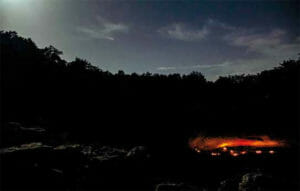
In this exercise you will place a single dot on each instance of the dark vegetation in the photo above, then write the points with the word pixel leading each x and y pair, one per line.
pixel 78 102
pixel 40 88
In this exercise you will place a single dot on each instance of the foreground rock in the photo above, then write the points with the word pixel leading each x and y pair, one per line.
pixel 255 182
pixel 70 166
pixel 24 147
pixel 252 181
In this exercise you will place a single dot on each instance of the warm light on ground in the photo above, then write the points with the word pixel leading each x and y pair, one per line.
pixel 222 145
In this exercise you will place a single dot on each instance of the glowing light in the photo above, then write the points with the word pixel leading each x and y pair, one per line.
pixel 243 152
pixel 215 154
pixel 258 152
pixel 197 150
pixel 235 154
pixel 237 142
pixel 271 152
pixel 211 143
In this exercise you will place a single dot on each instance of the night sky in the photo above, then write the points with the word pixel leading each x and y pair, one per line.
pixel 212 37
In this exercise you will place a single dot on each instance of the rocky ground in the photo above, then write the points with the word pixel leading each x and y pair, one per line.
pixel 46 165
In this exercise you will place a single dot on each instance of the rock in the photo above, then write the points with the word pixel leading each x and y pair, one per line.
pixel 93 152
pixel 106 157
pixel 169 187
pixel 69 165
pixel 138 152
pixel 67 146
pixel 87 150
pixel 228 185
pixel 251 181
pixel 99 150
pixel 16 127
pixel 16 134
pixel 175 187
pixel 24 147
pixel 255 181
pixel 104 153
pixel 34 129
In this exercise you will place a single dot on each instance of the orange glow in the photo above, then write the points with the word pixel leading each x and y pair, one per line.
pixel 243 152
pixel 235 154
pixel 258 152
pixel 211 143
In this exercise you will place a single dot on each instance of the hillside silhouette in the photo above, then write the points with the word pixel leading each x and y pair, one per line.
pixel 40 88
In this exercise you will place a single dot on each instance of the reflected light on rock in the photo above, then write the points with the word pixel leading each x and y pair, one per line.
pixel 235 154
pixel 215 154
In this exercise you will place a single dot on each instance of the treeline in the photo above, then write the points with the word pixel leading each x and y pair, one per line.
pixel 38 87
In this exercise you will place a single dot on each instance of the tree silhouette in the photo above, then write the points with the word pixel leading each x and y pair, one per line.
pixel 94 104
